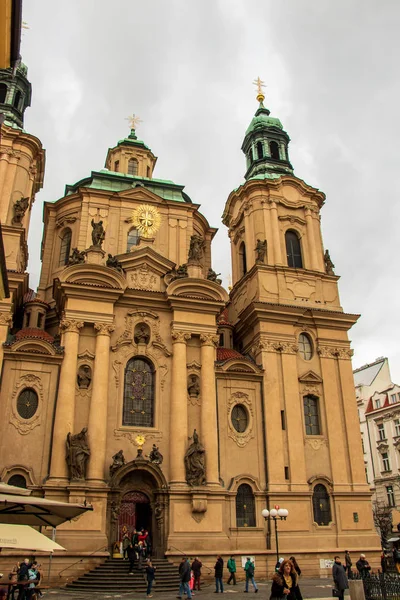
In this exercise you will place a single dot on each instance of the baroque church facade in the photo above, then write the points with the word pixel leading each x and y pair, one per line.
pixel 133 381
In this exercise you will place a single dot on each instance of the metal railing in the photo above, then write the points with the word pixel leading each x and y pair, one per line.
pixel 103 548
pixel 381 586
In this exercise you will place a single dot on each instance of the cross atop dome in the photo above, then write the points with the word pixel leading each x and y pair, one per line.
pixel 260 85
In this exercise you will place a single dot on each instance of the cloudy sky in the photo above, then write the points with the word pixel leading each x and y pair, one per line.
pixel 186 68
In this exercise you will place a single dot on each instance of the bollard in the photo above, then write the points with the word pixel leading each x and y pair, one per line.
pixel 356 588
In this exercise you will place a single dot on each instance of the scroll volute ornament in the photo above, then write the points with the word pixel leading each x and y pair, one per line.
pixel 71 325
pixel 180 337
pixel 104 328
pixel 209 339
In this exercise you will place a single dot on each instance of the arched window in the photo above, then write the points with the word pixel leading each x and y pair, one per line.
pixel 18 481
pixel 65 248
pixel 260 150
pixel 17 99
pixel 311 415
pixel 245 507
pixel 293 250
pixel 116 166
pixel 321 505
pixel 274 150
pixel 242 260
pixel 138 407
pixel 133 166
pixel 305 346
pixel 3 93
pixel 133 239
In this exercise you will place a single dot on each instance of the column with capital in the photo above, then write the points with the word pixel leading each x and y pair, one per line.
pixel 311 240
pixel 178 432
pixel 209 436
pixel 97 425
pixel 65 408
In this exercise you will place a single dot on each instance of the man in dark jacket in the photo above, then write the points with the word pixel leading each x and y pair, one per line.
pixel 218 571
pixel 184 577
pixel 339 577
pixel 131 557
pixel 196 568
pixel 363 567
pixel 23 575
pixel 349 563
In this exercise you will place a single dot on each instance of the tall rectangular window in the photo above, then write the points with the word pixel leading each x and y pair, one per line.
pixel 311 415
pixel 396 427
pixel 283 423
pixel 385 461
pixel 393 398
pixel 390 495
pixel 377 403
pixel 381 431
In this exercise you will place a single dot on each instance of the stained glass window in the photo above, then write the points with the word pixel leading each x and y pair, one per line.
pixel 293 250
pixel 305 346
pixel 321 505
pixel 133 167
pixel 239 418
pixel 27 403
pixel 311 415
pixel 139 393
pixel 245 507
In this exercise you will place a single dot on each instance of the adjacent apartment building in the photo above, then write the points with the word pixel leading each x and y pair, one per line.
pixel 378 401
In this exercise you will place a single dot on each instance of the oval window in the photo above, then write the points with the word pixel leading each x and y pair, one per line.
pixel 305 346
pixel 239 418
pixel 27 403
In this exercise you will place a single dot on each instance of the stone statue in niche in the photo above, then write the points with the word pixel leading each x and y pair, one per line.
pixel 78 453
pixel 84 377
pixel 155 455
pixel 261 250
pixel 195 462
pixel 20 208
pixel 142 334
pixel 329 266
pixel 193 386
pixel 196 249
pixel 113 263
pixel 98 233
pixel 213 276
pixel 114 511
pixel 118 461
pixel 77 257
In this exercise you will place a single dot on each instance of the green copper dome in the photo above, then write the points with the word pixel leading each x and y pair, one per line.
pixel 262 119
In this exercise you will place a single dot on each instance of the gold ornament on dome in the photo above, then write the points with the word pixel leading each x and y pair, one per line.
pixel 140 440
pixel 146 219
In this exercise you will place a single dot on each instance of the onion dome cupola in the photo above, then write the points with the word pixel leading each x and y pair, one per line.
pixel 15 94
pixel 266 144
pixel 131 156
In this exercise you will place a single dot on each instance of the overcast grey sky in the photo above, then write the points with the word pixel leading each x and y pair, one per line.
pixel 186 68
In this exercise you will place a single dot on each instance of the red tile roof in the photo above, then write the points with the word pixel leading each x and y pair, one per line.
pixel 223 318
pixel 227 353
pixel 34 333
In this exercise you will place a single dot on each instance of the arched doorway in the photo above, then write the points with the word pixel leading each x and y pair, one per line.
pixel 135 513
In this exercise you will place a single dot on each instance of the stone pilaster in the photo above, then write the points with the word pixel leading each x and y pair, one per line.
pixel 209 436
pixel 275 234
pixel 178 434
pixel 65 408
pixel 97 426
pixel 5 323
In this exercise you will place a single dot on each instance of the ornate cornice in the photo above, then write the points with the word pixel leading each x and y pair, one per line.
pixel 180 337
pixel 209 339
pixel 275 346
pixel 335 352
pixel 71 325
pixel 104 328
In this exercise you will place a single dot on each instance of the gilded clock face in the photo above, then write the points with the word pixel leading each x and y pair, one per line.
pixel 146 219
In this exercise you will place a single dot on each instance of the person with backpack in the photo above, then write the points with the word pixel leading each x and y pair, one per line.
pixel 249 569
pixel 231 564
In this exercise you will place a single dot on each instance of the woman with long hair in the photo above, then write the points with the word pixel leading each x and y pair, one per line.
pixel 285 583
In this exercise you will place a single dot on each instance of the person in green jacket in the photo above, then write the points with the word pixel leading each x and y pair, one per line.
pixel 249 569
pixel 232 570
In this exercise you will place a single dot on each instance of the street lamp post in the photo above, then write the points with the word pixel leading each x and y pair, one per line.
pixel 275 514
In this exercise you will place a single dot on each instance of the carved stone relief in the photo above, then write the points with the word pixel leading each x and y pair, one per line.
pixel 148 318
pixel 132 435
pixel 144 278
pixel 24 426
pixel 193 388
pixel 343 353
pixel 316 443
pixel 241 439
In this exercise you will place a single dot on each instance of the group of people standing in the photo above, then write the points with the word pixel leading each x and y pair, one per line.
pixel 21 574
pixel 136 548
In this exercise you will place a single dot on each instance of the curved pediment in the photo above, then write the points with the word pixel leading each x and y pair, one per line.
pixel 198 289
pixel 94 275
pixel 35 346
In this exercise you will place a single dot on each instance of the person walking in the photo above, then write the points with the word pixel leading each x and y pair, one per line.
pixel 285 583
pixel 348 564
pixel 249 571
pixel 363 567
pixel 184 578
pixel 196 568
pixel 296 566
pixel 339 577
pixel 231 564
pixel 218 572
pixel 150 576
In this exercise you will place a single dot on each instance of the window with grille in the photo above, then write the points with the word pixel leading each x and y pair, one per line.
pixel 65 248
pixel 321 505
pixel 305 346
pixel 240 418
pixel 293 250
pixel 27 403
pixel 17 480
pixel 138 407
pixel 133 239
pixel 390 495
pixel 311 415
pixel 385 461
pixel 133 166
pixel 245 507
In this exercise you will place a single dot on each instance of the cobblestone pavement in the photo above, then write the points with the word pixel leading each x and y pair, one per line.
pixel 317 589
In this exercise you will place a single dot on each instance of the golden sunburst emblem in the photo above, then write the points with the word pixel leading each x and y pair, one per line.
pixel 146 219
pixel 140 440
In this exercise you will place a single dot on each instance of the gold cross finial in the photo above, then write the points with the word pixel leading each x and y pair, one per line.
pixel 260 84
pixel 133 121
